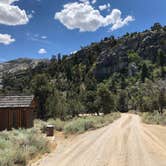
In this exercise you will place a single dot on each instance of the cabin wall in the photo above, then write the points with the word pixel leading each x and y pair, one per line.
pixel 30 118
pixel 16 118
pixel 3 119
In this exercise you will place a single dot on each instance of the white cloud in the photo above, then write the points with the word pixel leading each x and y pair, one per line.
pixel 82 16
pixel 103 7
pixel 120 23
pixel 8 1
pixel 11 14
pixel 108 5
pixel 43 37
pixel 42 51
pixel 115 19
pixel 88 1
pixel 6 39
pixel 94 1
pixel 30 15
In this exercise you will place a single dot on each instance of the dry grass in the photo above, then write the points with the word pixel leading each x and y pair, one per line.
pixel 19 146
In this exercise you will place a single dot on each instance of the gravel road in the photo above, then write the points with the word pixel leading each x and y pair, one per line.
pixel 126 142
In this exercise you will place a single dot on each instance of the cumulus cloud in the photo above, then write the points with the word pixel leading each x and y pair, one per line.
pixel 42 51
pixel 6 39
pixel 120 23
pixel 11 14
pixel 82 16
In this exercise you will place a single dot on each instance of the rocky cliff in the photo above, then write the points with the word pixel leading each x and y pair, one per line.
pixel 18 65
pixel 146 44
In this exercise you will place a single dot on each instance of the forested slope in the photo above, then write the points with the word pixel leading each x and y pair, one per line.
pixel 115 74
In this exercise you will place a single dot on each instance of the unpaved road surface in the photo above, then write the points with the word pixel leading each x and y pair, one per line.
pixel 126 142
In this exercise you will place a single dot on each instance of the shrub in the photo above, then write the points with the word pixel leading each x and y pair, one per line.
pixel 154 118
pixel 40 125
pixel 77 126
pixel 18 146
pixel 81 125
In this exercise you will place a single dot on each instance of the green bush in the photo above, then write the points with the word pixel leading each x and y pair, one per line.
pixel 154 118
pixel 78 126
pixel 81 125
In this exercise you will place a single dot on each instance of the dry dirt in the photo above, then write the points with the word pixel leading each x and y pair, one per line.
pixel 126 142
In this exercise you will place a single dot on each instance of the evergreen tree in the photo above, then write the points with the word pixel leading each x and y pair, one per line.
pixel 144 72
pixel 156 27
pixel 90 102
pixel 41 88
pixel 56 105
pixel 122 102
pixel 161 62
pixel 161 100
pixel 105 99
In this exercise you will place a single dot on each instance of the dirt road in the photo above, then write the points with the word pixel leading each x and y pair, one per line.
pixel 126 142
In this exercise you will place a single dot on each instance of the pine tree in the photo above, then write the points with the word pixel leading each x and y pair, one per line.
pixel 161 62
pixel 105 99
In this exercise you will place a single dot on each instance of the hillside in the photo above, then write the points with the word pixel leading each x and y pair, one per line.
pixel 112 55
pixel 17 65
pixel 124 73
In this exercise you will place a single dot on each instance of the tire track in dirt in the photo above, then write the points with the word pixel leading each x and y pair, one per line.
pixel 126 142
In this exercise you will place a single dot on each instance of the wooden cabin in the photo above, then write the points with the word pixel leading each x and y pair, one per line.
pixel 16 112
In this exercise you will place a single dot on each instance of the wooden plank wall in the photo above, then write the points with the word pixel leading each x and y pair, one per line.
pixel 6 119
pixel 16 118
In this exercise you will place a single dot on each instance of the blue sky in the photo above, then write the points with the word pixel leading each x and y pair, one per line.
pixel 41 28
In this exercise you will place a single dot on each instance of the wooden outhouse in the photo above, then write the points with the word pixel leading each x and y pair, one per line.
pixel 16 112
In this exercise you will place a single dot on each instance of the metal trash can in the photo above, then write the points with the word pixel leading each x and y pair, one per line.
pixel 50 130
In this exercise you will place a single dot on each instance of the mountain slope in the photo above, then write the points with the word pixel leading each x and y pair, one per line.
pixel 17 65
pixel 126 72
pixel 146 44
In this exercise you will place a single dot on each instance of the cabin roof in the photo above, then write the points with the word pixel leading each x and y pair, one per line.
pixel 16 101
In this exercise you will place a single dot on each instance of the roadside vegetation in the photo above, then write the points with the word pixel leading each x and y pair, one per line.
pixel 17 147
pixel 79 124
pixel 154 118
